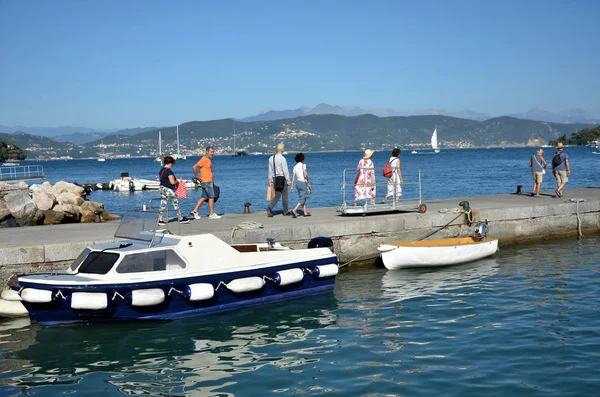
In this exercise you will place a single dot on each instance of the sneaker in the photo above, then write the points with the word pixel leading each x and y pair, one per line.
pixel 196 216
pixel 184 220
pixel 269 212
pixel 161 223
pixel 214 216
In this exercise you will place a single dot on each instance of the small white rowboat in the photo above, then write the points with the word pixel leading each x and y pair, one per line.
pixel 441 252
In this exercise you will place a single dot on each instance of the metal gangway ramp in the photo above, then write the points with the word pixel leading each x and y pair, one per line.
pixel 410 198
pixel 15 173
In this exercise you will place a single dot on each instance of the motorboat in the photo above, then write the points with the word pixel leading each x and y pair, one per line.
pixel 150 274
pixel 413 152
pixel 439 252
pixel 10 164
pixel 127 184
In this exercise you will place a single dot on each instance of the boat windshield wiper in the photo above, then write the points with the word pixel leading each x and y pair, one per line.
pixel 119 247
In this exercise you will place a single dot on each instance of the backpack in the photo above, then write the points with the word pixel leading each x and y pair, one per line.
pixel 556 160
pixel 387 170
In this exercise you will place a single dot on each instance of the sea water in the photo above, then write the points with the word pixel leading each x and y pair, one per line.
pixel 450 173
pixel 525 322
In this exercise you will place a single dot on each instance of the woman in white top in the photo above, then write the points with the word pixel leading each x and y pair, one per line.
pixel 395 182
pixel 299 175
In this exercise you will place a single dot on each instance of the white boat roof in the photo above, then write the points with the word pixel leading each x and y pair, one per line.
pixel 203 254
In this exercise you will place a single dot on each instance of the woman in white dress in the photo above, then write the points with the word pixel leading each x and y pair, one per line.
pixel 301 178
pixel 394 185
pixel 364 185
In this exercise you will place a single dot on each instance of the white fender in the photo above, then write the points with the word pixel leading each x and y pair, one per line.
pixel 89 300
pixel 246 284
pixel 34 295
pixel 289 276
pixel 147 297
pixel 11 295
pixel 12 309
pixel 199 292
pixel 326 270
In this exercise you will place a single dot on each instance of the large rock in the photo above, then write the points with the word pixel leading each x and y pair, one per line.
pixel 21 206
pixel 4 211
pixel 92 205
pixel 43 199
pixel 61 187
pixel 69 198
pixel 53 217
pixel 87 215
pixel 6 188
pixel 72 212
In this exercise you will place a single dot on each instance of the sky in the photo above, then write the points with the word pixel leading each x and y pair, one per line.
pixel 122 64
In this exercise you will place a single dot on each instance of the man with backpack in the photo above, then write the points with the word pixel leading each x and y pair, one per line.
pixel 560 168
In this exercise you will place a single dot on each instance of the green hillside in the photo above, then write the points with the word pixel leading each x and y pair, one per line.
pixel 10 151
pixel 310 133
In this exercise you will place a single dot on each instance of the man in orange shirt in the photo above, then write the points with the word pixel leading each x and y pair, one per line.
pixel 207 182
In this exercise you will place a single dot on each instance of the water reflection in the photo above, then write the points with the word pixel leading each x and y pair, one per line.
pixel 399 285
pixel 202 354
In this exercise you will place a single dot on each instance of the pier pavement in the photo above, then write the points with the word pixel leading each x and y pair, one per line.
pixel 512 218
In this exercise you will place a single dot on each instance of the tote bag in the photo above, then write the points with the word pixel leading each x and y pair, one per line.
pixel 181 191
pixel 270 193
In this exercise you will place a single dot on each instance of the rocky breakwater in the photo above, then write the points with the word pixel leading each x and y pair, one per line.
pixel 24 205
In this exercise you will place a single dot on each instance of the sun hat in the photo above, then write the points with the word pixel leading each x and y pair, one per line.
pixel 280 147
pixel 559 145
pixel 368 154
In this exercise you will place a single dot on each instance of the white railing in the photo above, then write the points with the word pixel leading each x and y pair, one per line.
pixel 21 172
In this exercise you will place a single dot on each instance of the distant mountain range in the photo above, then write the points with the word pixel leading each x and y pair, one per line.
pixel 567 116
pixel 76 135
pixel 83 135
pixel 321 132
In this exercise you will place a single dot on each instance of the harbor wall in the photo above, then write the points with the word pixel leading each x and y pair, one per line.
pixel 511 219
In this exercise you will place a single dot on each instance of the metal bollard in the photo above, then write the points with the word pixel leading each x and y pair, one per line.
pixel 247 207
pixel 98 218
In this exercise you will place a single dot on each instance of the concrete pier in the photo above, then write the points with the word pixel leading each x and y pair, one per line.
pixel 512 219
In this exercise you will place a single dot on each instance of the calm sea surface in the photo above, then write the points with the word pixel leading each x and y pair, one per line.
pixel 523 323
pixel 451 173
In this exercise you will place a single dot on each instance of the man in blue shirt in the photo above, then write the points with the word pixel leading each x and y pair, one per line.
pixel 561 168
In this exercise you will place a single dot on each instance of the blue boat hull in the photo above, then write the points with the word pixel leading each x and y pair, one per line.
pixel 58 311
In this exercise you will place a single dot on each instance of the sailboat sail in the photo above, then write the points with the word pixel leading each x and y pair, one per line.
pixel 159 155
pixel 178 155
pixel 434 141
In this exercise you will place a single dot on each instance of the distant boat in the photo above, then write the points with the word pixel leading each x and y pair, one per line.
pixel 103 155
pixel 159 155
pixel 10 164
pixel 240 153
pixel 413 152
pixel 178 155
pixel 434 141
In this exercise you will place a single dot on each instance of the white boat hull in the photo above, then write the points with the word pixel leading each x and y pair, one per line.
pixel 434 253
pixel 127 185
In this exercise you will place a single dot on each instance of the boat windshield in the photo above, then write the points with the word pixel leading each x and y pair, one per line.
pixel 98 262
pixel 79 259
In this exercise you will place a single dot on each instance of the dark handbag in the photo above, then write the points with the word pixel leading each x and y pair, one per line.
pixel 279 183
pixel 279 180
pixel 217 190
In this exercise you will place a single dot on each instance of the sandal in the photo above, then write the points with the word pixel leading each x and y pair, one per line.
pixel 306 214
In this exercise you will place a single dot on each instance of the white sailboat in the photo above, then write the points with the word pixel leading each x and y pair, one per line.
pixel 159 155
pixel 434 141
pixel 102 156
pixel 178 155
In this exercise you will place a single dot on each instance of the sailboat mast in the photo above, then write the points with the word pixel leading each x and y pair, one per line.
pixel 177 141
pixel 234 137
